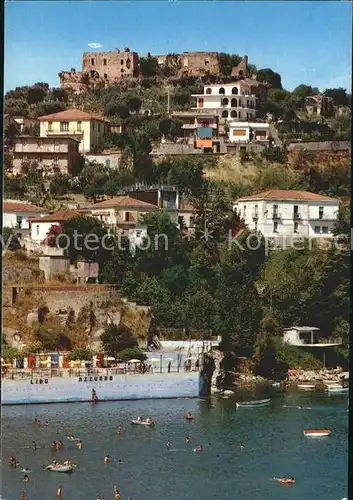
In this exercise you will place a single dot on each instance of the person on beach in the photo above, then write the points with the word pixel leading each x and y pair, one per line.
pixel 79 444
pixel 59 493
pixel 106 458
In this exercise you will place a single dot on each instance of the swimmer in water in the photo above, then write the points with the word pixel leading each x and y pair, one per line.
pixel 120 430
pixel 120 461
pixel 187 439
pixel 23 496
pixel 241 446
pixel 116 493
pixel 25 479
pixel 79 444
pixel 198 448
pixel 107 458
pixel 169 445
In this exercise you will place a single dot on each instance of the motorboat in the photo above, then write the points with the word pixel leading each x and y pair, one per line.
pixel 336 389
pixel 254 404
pixel 306 387
pixel 142 422
pixel 60 468
pixel 317 433
pixel 285 480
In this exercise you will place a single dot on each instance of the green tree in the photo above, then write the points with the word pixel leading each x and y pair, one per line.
pixel 80 354
pixel 227 62
pixel 117 338
pixel 269 76
pixel 339 96
pixel 172 65
pixel 149 66
pixel 10 240
pixel 60 185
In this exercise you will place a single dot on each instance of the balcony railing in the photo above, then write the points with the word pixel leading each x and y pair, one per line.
pixel 64 132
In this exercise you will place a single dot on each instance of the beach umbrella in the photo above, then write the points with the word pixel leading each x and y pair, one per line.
pixel 134 361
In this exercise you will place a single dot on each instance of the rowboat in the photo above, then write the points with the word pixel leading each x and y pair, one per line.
pixel 254 404
pixel 306 387
pixel 60 468
pixel 142 422
pixel 317 433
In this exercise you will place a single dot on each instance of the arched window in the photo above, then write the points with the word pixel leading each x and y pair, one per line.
pixel 235 90
pixel 221 91
pixel 225 102
pixel 225 114
pixel 128 64
pixel 234 103
pixel 233 114
pixel 208 91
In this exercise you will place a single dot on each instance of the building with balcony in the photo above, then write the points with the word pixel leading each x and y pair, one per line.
pixel 308 336
pixel 17 215
pixel 84 127
pixel 281 215
pixel 39 226
pixel 55 153
pixel 235 100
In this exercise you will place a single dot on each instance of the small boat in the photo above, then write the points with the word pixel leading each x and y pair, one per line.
pixel 60 468
pixel 317 433
pixel 254 404
pixel 142 422
pixel 285 480
pixel 337 389
pixel 306 387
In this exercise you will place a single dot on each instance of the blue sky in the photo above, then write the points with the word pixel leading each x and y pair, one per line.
pixel 306 42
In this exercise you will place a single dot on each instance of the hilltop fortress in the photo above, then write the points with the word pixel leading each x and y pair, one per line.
pixel 101 69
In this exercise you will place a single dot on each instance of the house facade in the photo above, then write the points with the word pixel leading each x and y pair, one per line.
pixel 25 124
pixel 17 215
pixel 229 100
pixel 240 131
pixel 54 152
pixel 84 127
pixel 39 226
pixel 308 336
pixel 280 214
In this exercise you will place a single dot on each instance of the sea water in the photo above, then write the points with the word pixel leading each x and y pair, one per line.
pixel 273 440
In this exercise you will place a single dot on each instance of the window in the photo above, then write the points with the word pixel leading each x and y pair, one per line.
pixel 256 211
pixel 244 211
pixel 105 75
pixel 208 91
pixel 233 114
pixel 181 220
pixel 255 225
pixel 296 227
pixel 192 221
pixel 317 229
pixel 296 212
pixel 275 210
pixel 221 91
pixel 128 64
pixel 207 62
pixel 127 217
pixel 324 230
pixel 19 219
pixel 275 227
pixel 37 230
pixel 93 125
pixel 321 212
pixel 235 90
pixel 234 103
pixel 225 114
pixel 225 101
pixel 79 126
pixel 200 102
pixel 104 62
pixel 64 126
pixel 50 126
pixel 122 61
pixel 92 61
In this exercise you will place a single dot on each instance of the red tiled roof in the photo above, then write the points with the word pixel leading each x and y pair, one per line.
pixel 278 194
pixel 70 114
pixel 60 216
pixel 123 201
pixel 13 206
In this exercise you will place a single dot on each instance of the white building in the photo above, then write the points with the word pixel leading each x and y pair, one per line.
pixel 16 215
pixel 281 214
pixel 228 100
pixel 39 227
pixel 246 132
pixel 307 336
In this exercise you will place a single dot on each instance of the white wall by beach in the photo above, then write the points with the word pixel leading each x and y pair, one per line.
pixel 122 387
